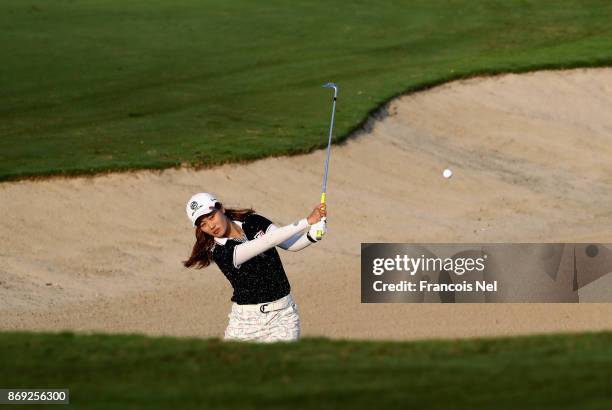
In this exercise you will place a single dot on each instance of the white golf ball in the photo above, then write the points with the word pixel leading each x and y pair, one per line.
pixel 447 173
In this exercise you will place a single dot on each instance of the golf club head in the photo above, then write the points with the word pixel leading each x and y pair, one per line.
pixel 332 85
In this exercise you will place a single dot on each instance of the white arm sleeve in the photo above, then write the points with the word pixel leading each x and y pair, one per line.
pixel 247 250
pixel 296 243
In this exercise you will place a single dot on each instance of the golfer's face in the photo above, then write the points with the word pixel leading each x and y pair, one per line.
pixel 214 224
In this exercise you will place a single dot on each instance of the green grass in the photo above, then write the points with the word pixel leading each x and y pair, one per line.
pixel 89 86
pixel 133 372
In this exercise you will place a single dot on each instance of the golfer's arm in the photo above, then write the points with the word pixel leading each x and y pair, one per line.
pixel 296 243
pixel 247 250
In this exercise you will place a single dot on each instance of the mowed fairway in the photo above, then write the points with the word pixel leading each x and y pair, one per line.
pixel 130 372
pixel 87 86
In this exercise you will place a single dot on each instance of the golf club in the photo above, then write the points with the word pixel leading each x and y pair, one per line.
pixel 319 234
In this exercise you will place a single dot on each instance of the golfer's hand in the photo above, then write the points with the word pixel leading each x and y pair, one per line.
pixel 318 230
pixel 317 213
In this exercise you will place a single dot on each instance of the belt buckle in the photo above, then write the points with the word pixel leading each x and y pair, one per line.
pixel 262 308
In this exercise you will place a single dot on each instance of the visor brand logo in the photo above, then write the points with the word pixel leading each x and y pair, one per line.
pixel 195 206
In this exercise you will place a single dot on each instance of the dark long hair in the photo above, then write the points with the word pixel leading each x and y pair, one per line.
pixel 201 254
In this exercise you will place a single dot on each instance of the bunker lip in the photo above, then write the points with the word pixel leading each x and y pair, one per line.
pixel 530 155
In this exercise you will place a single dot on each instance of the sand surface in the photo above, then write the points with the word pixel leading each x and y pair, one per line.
pixel 532 162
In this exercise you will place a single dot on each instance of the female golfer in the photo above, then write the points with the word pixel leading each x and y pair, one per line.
pixel 242 244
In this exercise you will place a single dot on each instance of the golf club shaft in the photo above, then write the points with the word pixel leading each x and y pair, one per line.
pixel 319 234
pixel 329 141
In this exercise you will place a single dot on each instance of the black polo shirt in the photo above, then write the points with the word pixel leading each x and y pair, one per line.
pixel 262 278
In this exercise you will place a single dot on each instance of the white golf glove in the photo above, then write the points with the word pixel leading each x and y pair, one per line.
pixel 319 226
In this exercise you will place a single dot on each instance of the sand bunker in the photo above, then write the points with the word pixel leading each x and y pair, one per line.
pixel 532 162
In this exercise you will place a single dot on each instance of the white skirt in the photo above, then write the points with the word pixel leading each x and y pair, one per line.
pixel 256 323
